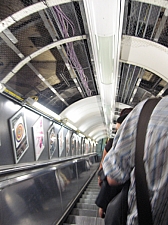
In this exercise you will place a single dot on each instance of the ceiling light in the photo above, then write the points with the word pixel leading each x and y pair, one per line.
pixel 105 29
pixel 42 108
pixel 81 135
pixel 70 125
pixel 46 110
pixel 2 87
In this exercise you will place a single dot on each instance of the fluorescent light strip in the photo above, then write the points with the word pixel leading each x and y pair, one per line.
pixel 71 126
pixel 46 110
pixel 2 88
pixel 81 135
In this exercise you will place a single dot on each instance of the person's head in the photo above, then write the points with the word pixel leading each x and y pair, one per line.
pixel 125 111
pixel 120 120
pixel 122 116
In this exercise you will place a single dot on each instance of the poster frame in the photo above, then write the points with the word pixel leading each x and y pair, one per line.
pixel 52 149
pixel 61 141
pixel 36 126
pixel 19 120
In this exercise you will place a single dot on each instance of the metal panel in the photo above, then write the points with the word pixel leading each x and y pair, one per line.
pixel 68 184
pixel 34 201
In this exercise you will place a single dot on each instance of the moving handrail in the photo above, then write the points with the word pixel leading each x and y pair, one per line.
pixel 6 169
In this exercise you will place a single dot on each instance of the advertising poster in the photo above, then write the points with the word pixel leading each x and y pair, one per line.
pixel 68 143
pixel 83 146
pixel 52 140
pixel 19 134
pixel 38 133
pixel 79 145
pixel 61 141
pixel 86 146
pixel 73 144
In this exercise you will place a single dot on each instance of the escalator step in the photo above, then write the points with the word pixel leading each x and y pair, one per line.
pixel 86 206
pixel 91 196
pixel 88 201
pixel 91 192
pixel 84 212
pixel 92 189
pixel 84 220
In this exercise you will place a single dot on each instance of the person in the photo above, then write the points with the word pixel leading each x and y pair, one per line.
pixel 118 164
pixel 124 112
pixel 106 149
pixel 106 193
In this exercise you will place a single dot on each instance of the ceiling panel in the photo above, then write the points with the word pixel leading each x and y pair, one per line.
pixel 64 78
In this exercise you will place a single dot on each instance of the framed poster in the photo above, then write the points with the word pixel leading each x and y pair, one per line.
pixel 38 133
pixel 68 153
pixel 83 146
pixel 79 144
pixel 52 140
pixel 73 144
pixel 86 146
pixel 19 135
pixel 61 141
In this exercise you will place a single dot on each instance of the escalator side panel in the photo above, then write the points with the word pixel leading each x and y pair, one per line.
pixel 71 178
pixel 42 196
pixel 33 201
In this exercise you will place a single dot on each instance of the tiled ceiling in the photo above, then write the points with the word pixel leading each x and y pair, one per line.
pixel 33 63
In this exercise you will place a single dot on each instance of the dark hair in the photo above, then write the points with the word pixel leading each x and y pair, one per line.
pixel 125 111
pixel 121 118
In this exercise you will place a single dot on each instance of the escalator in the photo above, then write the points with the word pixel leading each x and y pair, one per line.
pixel 45 193
pixel 85 211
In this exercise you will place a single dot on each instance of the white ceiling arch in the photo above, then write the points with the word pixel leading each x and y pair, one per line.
pixel 86 114
pixel 99 136
pixel 96 129
pixel 146 54
pixel 88 126
pixel 10 20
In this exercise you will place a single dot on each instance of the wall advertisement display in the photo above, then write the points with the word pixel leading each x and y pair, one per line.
pixel 86 151
pixel 38 133
pixel 68 135
pixel 78 145
pixel 19 135
pixel 52 141
pixel 61 141
pixel 73 144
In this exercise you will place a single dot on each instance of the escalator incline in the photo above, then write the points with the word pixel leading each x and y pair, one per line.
pixel 85 211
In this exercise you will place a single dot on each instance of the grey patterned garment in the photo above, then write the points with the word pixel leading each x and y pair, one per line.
pixel 119 161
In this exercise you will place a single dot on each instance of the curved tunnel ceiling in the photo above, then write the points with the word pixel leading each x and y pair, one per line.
pixel 41 58
pixel 145 54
